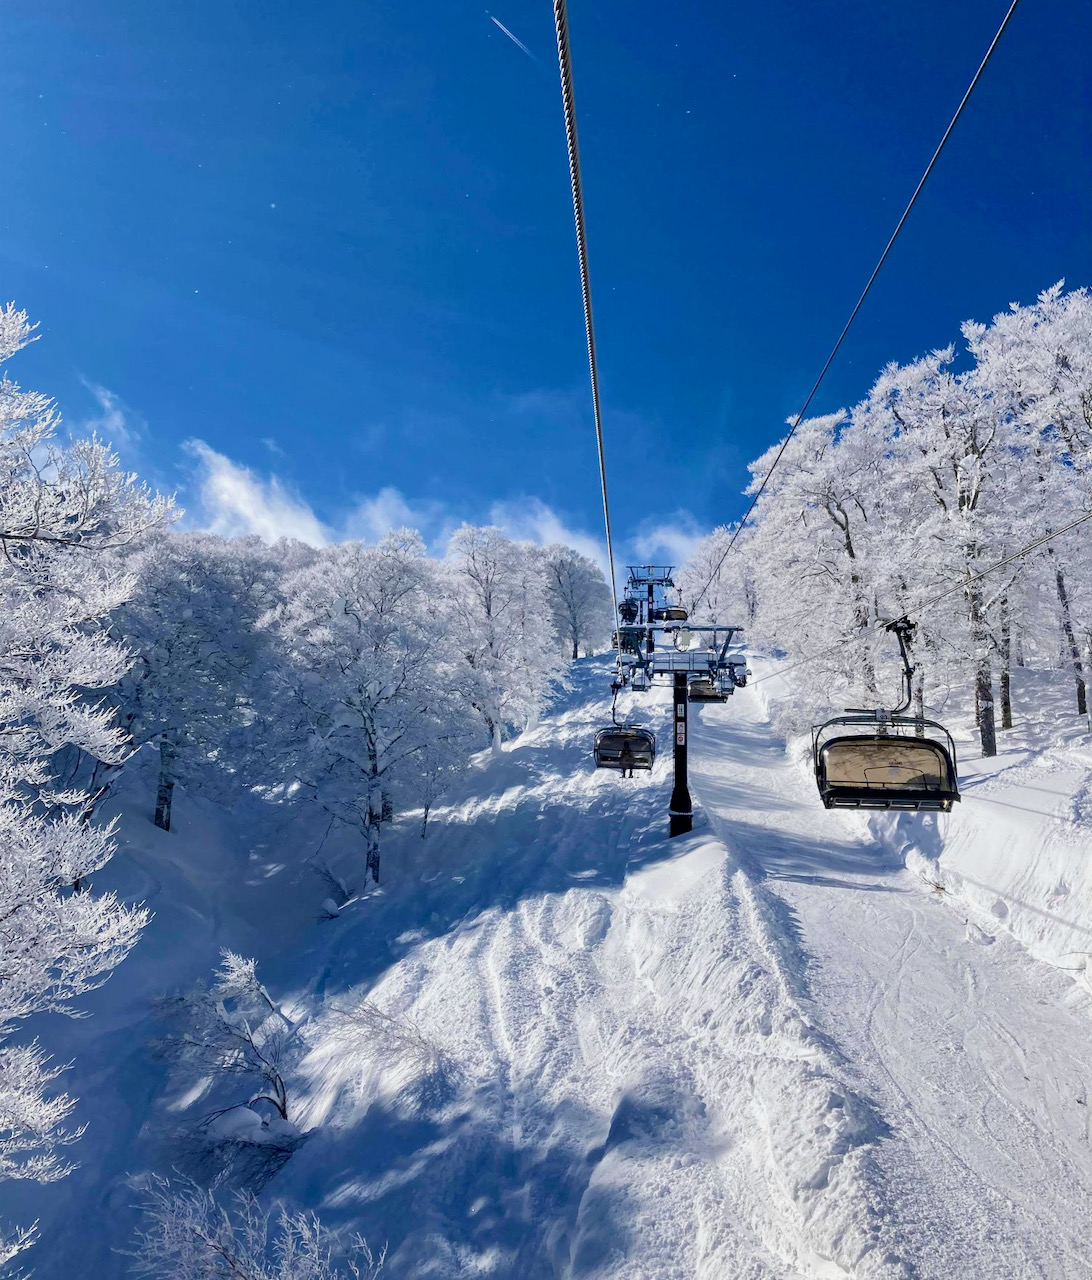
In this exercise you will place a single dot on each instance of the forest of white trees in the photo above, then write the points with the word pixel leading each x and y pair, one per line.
pixel 355 678
pixel 949 465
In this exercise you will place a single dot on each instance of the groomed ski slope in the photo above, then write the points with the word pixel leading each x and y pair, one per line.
pixel 556 1044
pixel 760 1052
pixel 628 1080
pixel 977 1057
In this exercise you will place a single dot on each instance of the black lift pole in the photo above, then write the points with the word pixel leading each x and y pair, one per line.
pixel 680 810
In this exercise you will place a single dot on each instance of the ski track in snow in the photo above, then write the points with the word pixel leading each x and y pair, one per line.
pixel 638 1081
pixel 977 1056
pixel 765 1051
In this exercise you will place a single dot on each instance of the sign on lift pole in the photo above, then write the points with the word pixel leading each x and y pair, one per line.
pixel 651 607
pixel 680 810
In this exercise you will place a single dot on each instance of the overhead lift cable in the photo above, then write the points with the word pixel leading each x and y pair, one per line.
pixel 564 58
pixel 860 301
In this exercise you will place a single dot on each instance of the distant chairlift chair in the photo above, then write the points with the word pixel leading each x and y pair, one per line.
pixel 625 746
pixel 706 691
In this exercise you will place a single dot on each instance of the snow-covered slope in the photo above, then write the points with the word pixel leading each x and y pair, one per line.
pixel 556 1044
pixel 1018 851
pixel 976 1056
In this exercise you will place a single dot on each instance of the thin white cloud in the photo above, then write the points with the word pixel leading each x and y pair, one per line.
pixel 234 502
pixel 273 447
pixel 531 520
pixel 116 423
pixel 672 539
pixel 376 515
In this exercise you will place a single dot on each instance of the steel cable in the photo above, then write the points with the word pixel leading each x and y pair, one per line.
pixel 860 301
pixel 564 58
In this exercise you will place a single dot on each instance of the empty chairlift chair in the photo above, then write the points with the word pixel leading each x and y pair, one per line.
pixel 865 762
pixel 625 747
pixel 706 691
pixel 884 759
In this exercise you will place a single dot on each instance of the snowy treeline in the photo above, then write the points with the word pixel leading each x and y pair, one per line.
pixel 950 464
pixel 64 512
pixel 359 677
pixel 356 678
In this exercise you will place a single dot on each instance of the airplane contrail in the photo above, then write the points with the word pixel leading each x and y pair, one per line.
pixel 514 39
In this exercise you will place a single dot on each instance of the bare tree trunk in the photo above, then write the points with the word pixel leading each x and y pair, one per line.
pixel 373 814
pixel 1071 639
pixel 983 680
pixel 1088 661
pixel 983 699
pixel 165 794
pixel 372 829
pixel 1006 666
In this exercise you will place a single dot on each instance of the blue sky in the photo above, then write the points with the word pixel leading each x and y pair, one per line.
pixel 314 268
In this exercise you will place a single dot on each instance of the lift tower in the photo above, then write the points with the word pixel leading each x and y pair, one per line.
pixel 654 578
pixel 680 812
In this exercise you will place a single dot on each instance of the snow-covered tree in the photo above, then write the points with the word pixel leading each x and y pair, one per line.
pixel 62 508
pixel 809 561
pixel 716 585
pixel 200 679
pixel 945 468
pixel 1036 363
pixel 370 678
pixel 188 1234
pixel 500 619
pixel 234 1036
pixel 578 598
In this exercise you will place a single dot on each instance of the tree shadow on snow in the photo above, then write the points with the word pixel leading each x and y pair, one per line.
pixel 538 819
pixel 452 1190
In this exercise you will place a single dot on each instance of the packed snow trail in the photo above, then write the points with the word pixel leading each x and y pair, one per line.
pixel 556 1045
pixel 978 1057
pixel 617 1075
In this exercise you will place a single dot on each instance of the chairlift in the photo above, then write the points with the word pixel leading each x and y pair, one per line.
pixel 884 759
pixel 628 639
pixel 670 613
pixel 628 609
pixel 707 691
pixel 738 673
pixel 625 747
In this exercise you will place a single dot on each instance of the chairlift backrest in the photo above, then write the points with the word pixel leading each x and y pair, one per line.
pixel 707 691
pixel 625 747
pixel 894 763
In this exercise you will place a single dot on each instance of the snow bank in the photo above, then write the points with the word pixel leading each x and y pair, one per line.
pixel 1016 853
